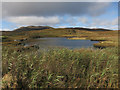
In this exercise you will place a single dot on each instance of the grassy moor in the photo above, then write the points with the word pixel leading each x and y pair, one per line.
pixel 59 67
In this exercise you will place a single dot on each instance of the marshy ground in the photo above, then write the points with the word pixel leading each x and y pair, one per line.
pixel 31 67
pixel 105 38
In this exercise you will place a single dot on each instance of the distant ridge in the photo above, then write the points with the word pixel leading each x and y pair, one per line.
pixel 90 29
pixel 31 28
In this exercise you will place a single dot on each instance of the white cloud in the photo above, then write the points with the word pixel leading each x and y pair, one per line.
pixel 63 26
pixel 74 20
pixel 83 20
pixel 114 27
pixel 114 22
pixel 104 22
pixel 34 20
pixel 62 22
pixel 5 29
pixel 86 22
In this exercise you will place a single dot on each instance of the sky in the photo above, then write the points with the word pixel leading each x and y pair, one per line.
pixel 60 14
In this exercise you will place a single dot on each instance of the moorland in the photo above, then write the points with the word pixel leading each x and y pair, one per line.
pixel 30 67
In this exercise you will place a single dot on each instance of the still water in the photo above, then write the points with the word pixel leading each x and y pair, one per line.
pixel 63 42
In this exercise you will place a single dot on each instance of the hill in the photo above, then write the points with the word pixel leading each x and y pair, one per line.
pixel 88 29
pixel 106 38
pixel 30 28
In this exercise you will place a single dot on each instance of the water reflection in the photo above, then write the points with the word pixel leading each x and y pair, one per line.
pixel 63 42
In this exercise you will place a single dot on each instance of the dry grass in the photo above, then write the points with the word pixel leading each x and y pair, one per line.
pixel 110 36
pixel 60 68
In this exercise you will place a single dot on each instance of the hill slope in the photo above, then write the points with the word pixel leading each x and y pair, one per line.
pixel 30 28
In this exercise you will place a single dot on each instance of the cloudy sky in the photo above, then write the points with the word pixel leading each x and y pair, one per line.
pixel 60 14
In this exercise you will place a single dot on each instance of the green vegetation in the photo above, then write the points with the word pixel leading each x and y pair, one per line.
pixel 33 67
pixel 60 68
pixel 29 34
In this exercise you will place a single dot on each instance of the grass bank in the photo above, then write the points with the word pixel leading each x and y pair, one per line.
pixel 105 38
pixel 60 68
